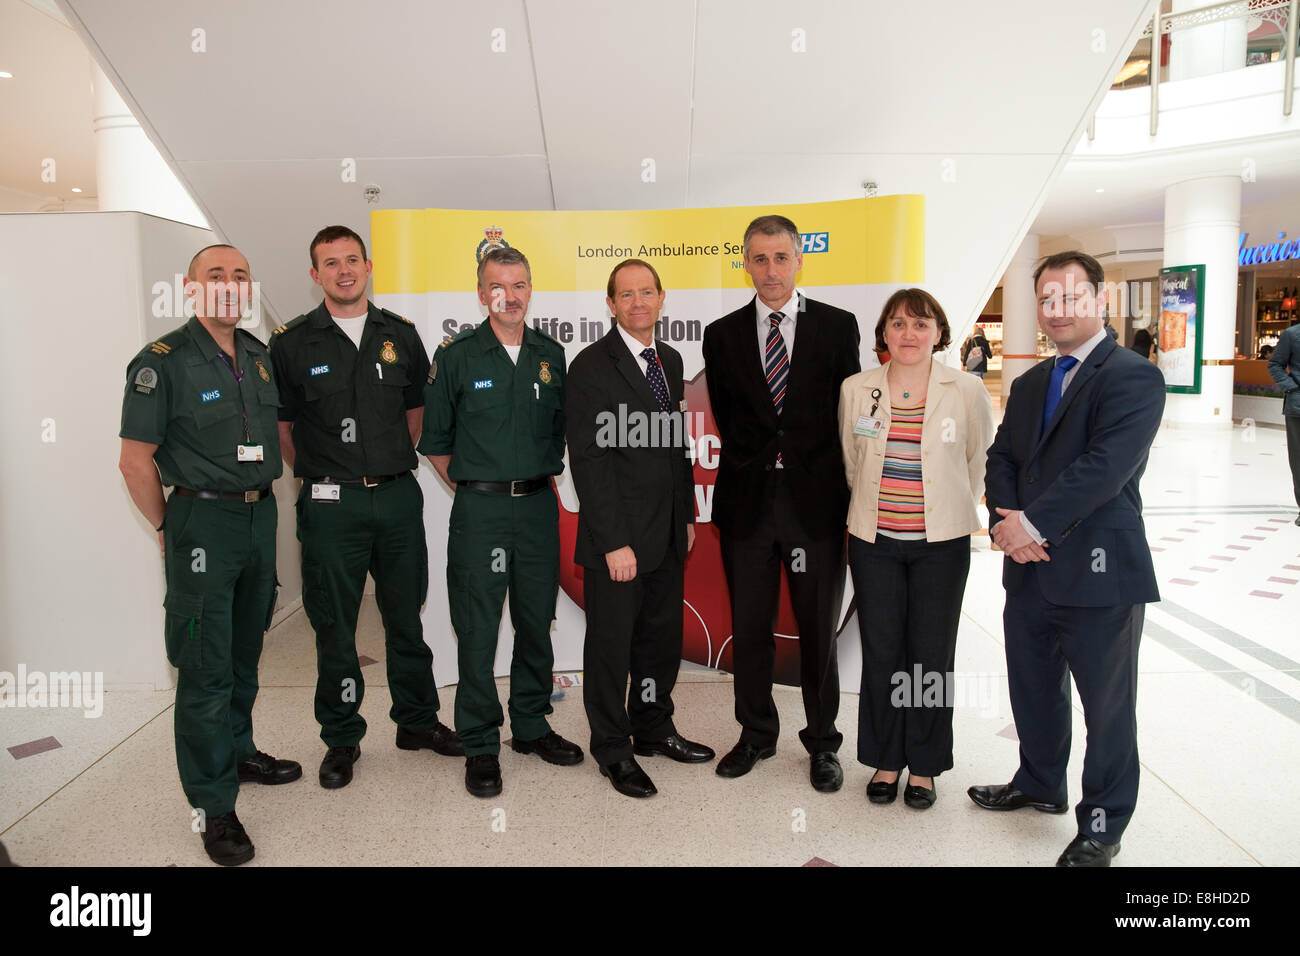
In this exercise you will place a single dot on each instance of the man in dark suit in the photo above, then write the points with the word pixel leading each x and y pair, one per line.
pixel 774 369
pixel 1062 489
pixel 628 454
pixel 1284 367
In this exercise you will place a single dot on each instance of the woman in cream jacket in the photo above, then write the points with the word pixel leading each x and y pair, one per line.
pixel 915 434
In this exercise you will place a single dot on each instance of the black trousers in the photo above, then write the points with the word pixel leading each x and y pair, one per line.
pixel 1293 452
pixel 909 606
pixel 633 628
pixel 1046 643
pixel 815 571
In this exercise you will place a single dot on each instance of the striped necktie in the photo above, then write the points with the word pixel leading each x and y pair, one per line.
pixel 776 362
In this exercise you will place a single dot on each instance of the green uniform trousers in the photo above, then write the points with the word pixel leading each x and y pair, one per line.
pixel 497 542
pixel 220 566
pixel 380 530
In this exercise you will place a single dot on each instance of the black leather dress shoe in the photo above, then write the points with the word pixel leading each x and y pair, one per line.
pixel 825 773
pixel 677 747
pixel 628 778
pixel 919 798
pixel 263 768
pixel 1003 796
pixel 1085 851
pixel 552 748
pixel 441 739
pixel 740 759
pixel 225 841
pixel 336 768
pixel 483 775
pixel 878 791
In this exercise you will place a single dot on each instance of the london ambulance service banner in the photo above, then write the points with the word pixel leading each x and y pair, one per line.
pixel 856 253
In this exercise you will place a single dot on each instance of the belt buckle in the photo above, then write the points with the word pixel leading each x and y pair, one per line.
pixel 252 497
pixel 366 483
pixel 513 492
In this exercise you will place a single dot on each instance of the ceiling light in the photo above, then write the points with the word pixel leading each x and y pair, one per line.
pixel 76 189
pixel 6 76
pixel 1101 190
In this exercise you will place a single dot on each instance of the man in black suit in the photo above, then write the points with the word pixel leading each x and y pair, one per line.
pixel 628 454
pixel 1062 489
pixel 774 369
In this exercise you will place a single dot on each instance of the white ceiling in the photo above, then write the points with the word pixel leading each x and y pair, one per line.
pixel 713 91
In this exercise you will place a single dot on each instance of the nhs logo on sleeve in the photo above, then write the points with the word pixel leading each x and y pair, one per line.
pixel 482 383
pixel 815 242
pixel 318 370
pixel 211 396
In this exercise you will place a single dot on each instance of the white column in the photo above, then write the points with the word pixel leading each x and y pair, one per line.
pixel 130 174
pixel 1019 315
pixel 1212 48
pixel 1202 226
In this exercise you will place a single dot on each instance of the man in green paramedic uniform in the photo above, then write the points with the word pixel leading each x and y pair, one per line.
pixel 199 414
pixel 351 380
pixel 494 430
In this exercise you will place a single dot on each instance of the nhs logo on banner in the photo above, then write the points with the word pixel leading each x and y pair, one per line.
pixel 815 242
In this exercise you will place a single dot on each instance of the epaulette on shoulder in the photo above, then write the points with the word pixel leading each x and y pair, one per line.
pixel 251 337
pixel 292 324
pixel 168 343
pixel 394 315
pixel 460 336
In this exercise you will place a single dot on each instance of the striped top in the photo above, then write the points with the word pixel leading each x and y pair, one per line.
pixel 902 501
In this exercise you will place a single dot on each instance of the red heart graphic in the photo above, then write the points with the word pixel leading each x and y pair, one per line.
pixel 706 611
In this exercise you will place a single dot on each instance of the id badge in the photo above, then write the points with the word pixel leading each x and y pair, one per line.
pixel 870 427
pixel 249 452
pixel 324 492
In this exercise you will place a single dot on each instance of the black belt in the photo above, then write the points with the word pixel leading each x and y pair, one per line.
pixel 246 497
pixel 515 489
pixel 367 481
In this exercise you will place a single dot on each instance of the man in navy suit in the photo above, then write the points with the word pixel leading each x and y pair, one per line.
pixel 1062 489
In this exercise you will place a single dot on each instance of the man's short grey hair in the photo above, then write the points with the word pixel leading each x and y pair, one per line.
pixel 504 257
pixel 773 226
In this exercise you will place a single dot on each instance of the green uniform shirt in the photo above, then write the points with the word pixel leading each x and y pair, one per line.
pixel 183 397
pixel 499 421
pixel 348 405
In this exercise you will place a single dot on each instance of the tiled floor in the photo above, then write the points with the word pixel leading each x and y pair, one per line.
pixel 1218 720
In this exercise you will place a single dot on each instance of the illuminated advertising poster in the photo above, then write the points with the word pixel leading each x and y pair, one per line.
pixel 1182 300
pixel 856 253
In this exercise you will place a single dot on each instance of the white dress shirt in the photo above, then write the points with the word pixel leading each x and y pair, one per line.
pixel 1081 353
pixel 636 348
pixel 790 312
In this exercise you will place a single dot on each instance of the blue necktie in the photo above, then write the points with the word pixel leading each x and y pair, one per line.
pixel 655 376
pixel 1056 386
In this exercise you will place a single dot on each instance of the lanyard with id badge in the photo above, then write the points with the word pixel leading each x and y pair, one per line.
pixel 869 425
pixel 245 451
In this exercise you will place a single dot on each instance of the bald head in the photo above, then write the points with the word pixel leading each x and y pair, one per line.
pixel 196 263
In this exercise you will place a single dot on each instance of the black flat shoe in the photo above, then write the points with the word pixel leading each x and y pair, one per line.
pixel 1003 796
pixel 629 779
pixel 676 747
pixel 919 798
pixel 483 775
pixel 552 748
pixel 825 773
pixel 225 841
pixel 741 758
pixel 263 768
pixel 336 768
pixel 1085 851
pixel 440 739
pixel 878 791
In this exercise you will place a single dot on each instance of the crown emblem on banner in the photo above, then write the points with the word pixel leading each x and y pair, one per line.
pixel 493 238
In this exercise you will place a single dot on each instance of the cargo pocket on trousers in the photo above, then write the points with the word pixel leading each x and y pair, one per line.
pixel 315 599
pixel 184 629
